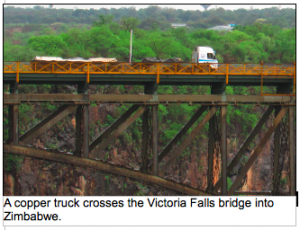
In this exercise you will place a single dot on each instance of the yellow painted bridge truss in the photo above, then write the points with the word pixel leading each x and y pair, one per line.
pixel 263 70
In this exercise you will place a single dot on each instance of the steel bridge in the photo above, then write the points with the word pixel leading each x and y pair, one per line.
pixel 151 75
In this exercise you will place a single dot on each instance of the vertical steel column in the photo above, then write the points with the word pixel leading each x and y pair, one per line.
pixel 78 140
pixel 82 125
pixel 13 118
pixel 223 150
pixel 292 151
pixel 151 88
pixel 85 131
pixel 145 142
pixel 211 146
pixel 155 139
pixel 217 88
pixel 276 176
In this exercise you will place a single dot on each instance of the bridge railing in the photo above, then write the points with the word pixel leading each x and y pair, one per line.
pixel 147 68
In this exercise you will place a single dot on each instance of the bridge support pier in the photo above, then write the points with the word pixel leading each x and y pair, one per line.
pixel 82 132
pixel 277 144
pixel 223 150
pixel 145 146
pixel 213 150
pixel 82 125
pixel 13 118
pixel 151 88
pixel 78 134
pixel 155 139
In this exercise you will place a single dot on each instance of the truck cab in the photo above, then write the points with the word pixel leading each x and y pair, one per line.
pixel 205 54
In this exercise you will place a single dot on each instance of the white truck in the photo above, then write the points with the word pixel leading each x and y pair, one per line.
pixel 205 54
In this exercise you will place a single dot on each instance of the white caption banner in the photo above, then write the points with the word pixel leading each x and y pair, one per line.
pixel 149 211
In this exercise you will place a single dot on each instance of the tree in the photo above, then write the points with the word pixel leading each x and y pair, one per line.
pixel 49 44
pixel 19 53
pixel 285 42
pixel 102 41
pixel 260 21
pixel 129 23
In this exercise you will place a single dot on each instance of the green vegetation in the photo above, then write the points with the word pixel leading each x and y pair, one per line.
pixel 108 38
pixel 12 162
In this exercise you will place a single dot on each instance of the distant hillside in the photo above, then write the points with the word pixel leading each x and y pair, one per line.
pixel 162 17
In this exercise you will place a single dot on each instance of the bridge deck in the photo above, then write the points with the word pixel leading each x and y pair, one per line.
pixel 143 73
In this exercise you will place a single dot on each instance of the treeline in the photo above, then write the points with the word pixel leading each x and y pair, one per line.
pixel 153 16
pixel 107 38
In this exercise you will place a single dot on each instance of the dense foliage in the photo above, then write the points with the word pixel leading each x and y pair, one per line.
pixel 107 38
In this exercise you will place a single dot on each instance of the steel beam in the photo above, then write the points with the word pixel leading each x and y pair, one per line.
pixel 181 133
pixel 188 140
pixel 223 150
pixel 276 176
pixel 211 148
pixel 121 128
pixel 292 151
pixel 85 131
pixel 13 124
pixel 246 144
pixel 145 142
pixel 132 98
pixel 113 127
pixel 13 118
pixel 155 139
pixel 257 150
pixel 47 123
pixel 82 126
pixel 78 134
pixel 84 162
